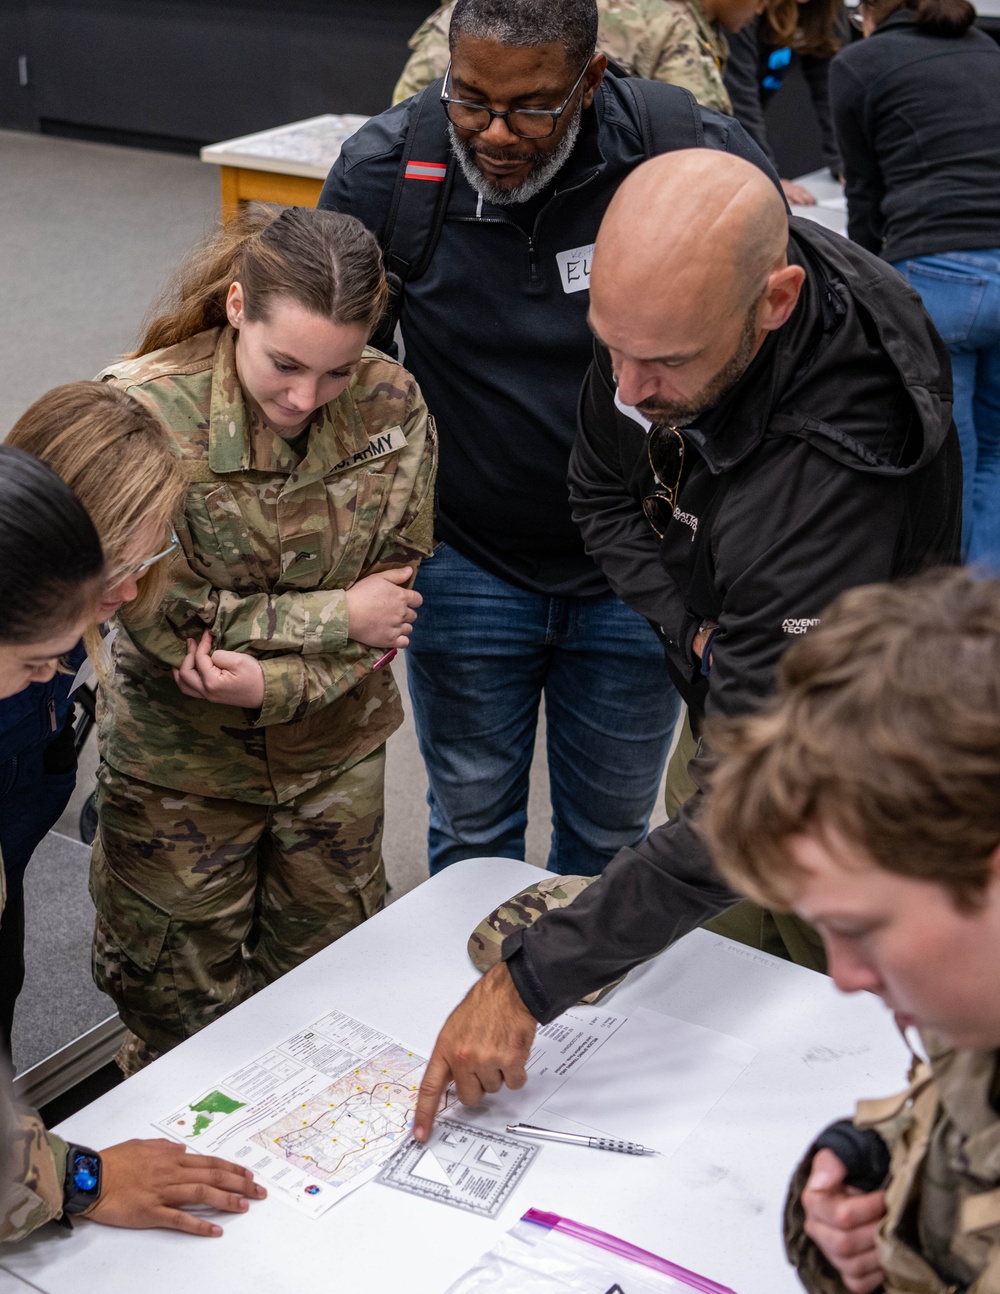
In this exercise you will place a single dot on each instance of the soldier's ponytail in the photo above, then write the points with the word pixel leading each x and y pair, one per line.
pixel 324 261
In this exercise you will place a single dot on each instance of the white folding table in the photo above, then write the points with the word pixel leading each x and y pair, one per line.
pixel 713 1206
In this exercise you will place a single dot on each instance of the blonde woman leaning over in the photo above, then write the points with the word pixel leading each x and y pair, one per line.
pixel 240 795
pixel 117 458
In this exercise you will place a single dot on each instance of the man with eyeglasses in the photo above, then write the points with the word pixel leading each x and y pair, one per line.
pixel 532 143
pixel 766 424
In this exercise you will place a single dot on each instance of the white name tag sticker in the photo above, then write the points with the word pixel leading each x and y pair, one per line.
pixel 574 268
pixel 383 443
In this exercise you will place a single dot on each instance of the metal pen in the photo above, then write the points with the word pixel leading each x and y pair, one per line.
pixel 576 1139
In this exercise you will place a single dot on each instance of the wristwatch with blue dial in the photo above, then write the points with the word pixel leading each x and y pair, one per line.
pixel 82 1186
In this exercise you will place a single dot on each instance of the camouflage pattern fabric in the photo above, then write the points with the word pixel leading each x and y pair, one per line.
pixel 201 902
pixel 660 40
pixel 524 909
pixel 32 1161
pixel 36 1168
pixel 941 1232
pixel 135 1054
pixel 269 544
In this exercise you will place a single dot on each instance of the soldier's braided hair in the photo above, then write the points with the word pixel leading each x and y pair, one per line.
pixel 51 563
pixel 572 23
pixel 324 261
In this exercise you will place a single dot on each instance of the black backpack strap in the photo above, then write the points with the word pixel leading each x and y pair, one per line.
pixel 668 115
pixel 419 202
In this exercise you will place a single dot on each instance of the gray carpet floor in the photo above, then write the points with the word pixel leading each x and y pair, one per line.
pixel 88 235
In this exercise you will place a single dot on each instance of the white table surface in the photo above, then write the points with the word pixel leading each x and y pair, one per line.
pixel 713 1206
pixel 830 209
pixel 307 148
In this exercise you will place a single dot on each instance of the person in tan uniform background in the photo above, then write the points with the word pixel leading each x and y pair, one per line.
pixel 242 734
pixel 866 797
pixel 53 579
pixel 680 41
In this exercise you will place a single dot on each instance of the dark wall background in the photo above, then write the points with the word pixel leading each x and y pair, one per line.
pixel 181 73
pixel 191 73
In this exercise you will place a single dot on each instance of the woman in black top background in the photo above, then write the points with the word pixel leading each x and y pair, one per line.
pixel 916 108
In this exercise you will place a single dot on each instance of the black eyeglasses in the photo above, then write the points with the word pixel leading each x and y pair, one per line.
pixel 526 123
pixel 665 449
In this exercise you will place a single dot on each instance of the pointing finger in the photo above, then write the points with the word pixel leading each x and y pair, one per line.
pixel 436 1078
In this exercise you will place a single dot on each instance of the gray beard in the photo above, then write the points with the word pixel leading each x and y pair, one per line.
pixel 540 178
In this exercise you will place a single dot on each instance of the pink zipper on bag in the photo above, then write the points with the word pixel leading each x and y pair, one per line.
pixel 612 1245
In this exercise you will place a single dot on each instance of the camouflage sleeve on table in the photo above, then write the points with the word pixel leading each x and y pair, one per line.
pixel 37 1161
pixel 685 59
pixel 429 59
pixel 295 686
pixel 312 622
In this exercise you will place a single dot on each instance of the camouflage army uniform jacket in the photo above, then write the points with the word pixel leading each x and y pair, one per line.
pixel 659 40
pixel 941 1232
pixel 269 544
pixel 32 1161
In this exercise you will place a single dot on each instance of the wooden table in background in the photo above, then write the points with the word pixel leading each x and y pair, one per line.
pixel 286 165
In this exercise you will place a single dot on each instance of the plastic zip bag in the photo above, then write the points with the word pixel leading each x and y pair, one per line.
pixel 548 1254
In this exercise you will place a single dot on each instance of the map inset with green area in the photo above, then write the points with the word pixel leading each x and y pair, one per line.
pixel 212 1104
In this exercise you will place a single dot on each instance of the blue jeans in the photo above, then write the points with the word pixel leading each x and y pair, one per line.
pixel 961 291
pixel 482 655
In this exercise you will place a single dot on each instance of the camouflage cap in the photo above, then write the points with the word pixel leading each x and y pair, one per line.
pixel 521 911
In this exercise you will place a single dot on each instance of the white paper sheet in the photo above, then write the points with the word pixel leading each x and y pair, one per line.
pixel 560 1049
pixel 647 1077
pixel 653 1082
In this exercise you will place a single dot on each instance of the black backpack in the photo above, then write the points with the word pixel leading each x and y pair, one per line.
pixel 668 117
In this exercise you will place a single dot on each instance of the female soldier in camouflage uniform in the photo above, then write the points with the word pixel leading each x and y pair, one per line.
pixel 240 793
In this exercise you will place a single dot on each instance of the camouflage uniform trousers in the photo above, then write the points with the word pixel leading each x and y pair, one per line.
pixel 203 901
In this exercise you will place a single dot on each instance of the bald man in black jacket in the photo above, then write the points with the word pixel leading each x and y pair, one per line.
pixel 766 424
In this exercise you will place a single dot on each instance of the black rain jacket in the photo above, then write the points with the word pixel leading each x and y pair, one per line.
pixel 834 462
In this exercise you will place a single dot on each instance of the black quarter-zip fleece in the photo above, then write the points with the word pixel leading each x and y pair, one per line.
pixel 499 347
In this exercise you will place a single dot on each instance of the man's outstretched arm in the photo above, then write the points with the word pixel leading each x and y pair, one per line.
pixel 484 1045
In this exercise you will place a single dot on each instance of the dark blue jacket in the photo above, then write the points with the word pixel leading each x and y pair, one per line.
pixel 496 334
pixel 34 717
